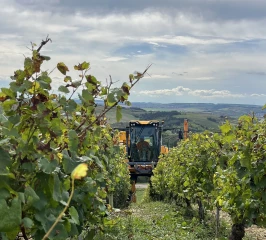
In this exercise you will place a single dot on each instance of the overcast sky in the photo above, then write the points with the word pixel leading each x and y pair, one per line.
pixel 201 50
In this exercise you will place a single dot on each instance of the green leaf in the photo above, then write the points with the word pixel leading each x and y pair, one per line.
pixel 11 133
pixel 13 233
pixel 186 183
pixel 8 104
pixel 91 79
pixel 44 81
pixel 245 162
pixel 62 68
pixel 76 84
pixel 4 160
pixel 225 128
pixel 42 203
pixel 21 196
pixel 127 103
pixel 8 92
pixel 27 222
pixel 63 89
pixel 72 105
pixel 47 166
pixel 118 113
pixel 73 140
pixel 30 196
pixel 85 65
pixel 46 58
pixel 67 79
pixel 87 96
pixel 14 119
pixel 67 225
pixel 10 215
pixel 4 193
pixel 4 184
pixel 3 236
pixel 28 63
pixel 57 195
pixel 97 161
pixel 67 184
pixel 74 215
pixel 103 91
pixel 111 101
pixel 19 76
pixel 20 87
pixel 68 163
pixel 82 66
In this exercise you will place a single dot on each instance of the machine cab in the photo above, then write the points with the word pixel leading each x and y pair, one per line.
pixel 143 141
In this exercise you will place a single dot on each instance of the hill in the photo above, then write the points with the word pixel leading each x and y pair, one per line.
pixel 231 110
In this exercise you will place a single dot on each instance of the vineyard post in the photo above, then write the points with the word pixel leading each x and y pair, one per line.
pixel 111 199
pixel 217 227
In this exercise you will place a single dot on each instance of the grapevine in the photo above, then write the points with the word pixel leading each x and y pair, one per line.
pixel 44 135
pixel 224 170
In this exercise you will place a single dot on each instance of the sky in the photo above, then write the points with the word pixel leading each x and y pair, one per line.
pixel 201 51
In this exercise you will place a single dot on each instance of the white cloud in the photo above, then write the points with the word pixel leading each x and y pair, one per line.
pixel 178 91
pixel 202 93
pixel 256 95
pixel 114 59
pixel 155 76
pixel 215 94
pixel 186 40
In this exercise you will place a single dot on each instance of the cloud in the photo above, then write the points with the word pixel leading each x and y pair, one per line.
pixel 203 78
pixel 178 91
pixel 187 40
pixel 215 94
pixel 257 73
pixel 114 59
pixel 157 44
pixel 155 76
pixel 221 10
pixel 219 44
pixel 202 93
pixel 258 95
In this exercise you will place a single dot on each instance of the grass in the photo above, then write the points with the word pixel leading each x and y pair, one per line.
pixel 149 220
pixel 152 220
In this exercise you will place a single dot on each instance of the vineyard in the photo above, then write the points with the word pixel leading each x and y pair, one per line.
pixel 219 171
pixel 60 160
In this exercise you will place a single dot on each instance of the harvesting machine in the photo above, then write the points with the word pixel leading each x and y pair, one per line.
pixel 143 146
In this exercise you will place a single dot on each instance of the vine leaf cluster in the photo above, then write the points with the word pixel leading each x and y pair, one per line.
pixel 44 135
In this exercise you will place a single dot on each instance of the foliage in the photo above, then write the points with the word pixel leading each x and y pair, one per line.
pixel 119 183
pixel 225 170
pixel 44 136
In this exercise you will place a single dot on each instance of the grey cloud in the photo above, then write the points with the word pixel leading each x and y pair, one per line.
pixel 257 73
pixel 96 30
pixel 209 9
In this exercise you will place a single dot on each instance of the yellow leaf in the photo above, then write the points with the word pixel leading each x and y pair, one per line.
pixel 35 86
pixel 60 156
pixel 80 171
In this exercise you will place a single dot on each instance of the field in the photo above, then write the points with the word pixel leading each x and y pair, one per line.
pixel 198 121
